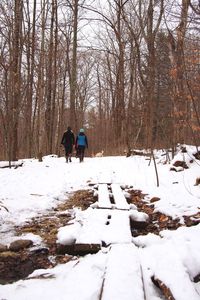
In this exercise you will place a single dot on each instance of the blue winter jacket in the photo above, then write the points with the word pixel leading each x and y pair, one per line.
pixel 81 140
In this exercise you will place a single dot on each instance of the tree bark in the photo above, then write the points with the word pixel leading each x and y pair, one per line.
pixel 16 76
pixel 73 79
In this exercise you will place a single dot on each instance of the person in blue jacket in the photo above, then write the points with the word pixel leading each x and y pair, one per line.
pixel 81 144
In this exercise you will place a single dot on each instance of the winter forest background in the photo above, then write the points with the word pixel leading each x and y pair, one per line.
pixel 128 71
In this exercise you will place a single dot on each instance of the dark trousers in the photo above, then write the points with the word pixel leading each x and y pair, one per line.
pixel 68 152
pixel 80 152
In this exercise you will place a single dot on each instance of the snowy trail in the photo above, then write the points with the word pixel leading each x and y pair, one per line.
pixel 119 272
pixel 122 270
pixel 114 273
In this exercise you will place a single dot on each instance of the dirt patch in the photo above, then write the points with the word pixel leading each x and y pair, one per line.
pixel 18 265
pixel 81 199
pixel 47 226
pixel 14 266
pixel 157 221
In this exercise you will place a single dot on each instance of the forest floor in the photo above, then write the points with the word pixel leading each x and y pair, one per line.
pixel 50 198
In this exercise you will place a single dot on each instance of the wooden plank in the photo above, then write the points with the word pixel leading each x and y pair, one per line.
pixel 119 197
pixel 84 279
pixel 117 230
pixel 123 278
pixel 104 226
pixel 93 223
pixel 103 196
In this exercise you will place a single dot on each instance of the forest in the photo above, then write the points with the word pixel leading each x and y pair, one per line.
pixel 127 71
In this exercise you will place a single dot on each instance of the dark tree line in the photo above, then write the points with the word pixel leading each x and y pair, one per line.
pixel 135 85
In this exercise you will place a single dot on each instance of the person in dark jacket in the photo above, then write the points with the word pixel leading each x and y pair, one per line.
pixel 68 142
pixel 81 144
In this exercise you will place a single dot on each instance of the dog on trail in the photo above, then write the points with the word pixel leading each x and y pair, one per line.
pixel 99 154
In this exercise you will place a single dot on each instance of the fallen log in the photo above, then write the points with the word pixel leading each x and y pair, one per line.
pixel 165 290
pixel 140 153
pixel 78 249
pixel 83 249
pixel 14 164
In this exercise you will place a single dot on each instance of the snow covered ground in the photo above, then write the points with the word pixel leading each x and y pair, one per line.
pixel 173 257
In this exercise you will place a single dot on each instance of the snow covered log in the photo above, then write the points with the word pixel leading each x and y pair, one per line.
pixel 138 220
pixel 165 290
pixel 130 152
pixel 15 164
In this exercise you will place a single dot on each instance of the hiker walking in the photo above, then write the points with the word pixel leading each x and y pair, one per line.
pixel 68 143
pixel 81 143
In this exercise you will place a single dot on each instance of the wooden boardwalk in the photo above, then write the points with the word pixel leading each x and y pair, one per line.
pixel 108 224
pixel 123 260
pixel 118 271
pixel 118 198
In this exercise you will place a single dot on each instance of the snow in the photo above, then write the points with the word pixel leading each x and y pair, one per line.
pixel 67 235
pixel 115 271
pixel 171 258
pixel 139 216
pixel 119 197
pixel 103 196
pixel 68 281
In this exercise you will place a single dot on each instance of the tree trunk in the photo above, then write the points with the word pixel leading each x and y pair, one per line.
pixel 49 85
pixel 30 79
pixel 38 118
pixel 54 83
pixel 16 76
pixel 73 80
pixel 177 60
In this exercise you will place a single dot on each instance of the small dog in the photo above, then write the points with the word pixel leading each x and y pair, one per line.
pixel 99 154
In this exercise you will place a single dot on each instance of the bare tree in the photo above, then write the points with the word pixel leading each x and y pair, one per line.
pixel 16 77
pixel 177 55
pixel 51 79
pixel 74 5
pixel 129 89
pixel 30 53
